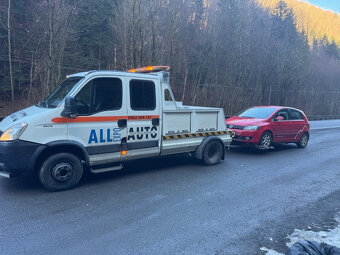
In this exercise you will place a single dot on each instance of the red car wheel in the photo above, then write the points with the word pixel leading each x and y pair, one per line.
pixel 266 140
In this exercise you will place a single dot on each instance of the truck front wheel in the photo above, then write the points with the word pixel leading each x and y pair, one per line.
pixel 212 153
pixel 60 172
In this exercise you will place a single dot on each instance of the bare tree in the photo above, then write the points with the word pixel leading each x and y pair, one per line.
pixel 10 52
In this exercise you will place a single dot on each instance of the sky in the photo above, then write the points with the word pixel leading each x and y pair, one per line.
pixel 333 5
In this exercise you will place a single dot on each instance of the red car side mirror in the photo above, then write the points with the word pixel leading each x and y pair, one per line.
pixel 279 118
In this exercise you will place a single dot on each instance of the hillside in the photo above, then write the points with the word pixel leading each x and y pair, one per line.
pixel 231 54
pixel 313 21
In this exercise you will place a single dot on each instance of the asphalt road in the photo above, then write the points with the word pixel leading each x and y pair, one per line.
pixel 175 205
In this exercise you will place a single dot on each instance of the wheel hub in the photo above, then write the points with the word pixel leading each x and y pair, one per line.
pixel 266 141
pixel 212 152
pixel 62 172
pixel 304 140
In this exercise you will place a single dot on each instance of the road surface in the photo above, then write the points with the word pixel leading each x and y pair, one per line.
pixel 175 205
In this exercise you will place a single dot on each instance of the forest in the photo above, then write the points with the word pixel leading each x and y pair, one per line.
pixel 224 53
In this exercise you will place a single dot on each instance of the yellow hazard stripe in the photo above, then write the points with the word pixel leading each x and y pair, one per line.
pixel 203 134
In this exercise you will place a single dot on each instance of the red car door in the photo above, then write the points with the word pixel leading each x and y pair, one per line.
pixel 298 124
pixel 282 128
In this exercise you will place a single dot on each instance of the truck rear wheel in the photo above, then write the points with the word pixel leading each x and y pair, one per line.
pixel 212 153
pixel 60 172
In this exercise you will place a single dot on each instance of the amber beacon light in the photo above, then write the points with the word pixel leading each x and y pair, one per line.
pixel 149 69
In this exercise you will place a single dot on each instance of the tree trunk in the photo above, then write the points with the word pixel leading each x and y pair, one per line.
pixel 50 49
pixel 31 80
pixel 100 50
pixel 10 52
pixel 186 72
pixel 115 58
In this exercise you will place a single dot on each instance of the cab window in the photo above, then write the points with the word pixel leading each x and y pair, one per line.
pixel 83 100
pixel 107 94
pixel 167 96
pixel 101 94
pixel 142 95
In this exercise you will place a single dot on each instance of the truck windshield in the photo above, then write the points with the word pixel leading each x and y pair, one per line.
pixel 58 95
pixel 258 112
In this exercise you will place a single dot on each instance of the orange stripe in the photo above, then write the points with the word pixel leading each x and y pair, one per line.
pixel 102 118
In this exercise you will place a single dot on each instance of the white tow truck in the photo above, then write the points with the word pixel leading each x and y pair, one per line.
pixel 96 120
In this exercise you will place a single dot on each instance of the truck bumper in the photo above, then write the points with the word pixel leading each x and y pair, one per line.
pixel 17 157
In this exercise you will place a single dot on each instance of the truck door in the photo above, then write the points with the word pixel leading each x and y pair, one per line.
pixel 144 124
pixel 99 106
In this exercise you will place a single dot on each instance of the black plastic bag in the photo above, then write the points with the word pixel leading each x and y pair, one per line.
pixel 312 248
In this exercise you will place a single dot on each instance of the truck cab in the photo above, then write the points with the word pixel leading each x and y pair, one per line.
pixel 95 121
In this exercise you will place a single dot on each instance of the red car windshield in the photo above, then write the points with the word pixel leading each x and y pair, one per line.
pixel 258 113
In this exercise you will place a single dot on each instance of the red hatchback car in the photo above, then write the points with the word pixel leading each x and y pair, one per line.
pixel 266 125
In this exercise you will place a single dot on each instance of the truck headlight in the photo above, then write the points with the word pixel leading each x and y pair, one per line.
pixel 14 132
pixel 251 128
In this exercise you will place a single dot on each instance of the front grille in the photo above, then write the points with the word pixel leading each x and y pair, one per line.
pixel 239 137
pixel 244 138
pixel 235 127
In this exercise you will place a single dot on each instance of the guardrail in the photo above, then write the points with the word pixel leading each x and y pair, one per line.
pixel 326 117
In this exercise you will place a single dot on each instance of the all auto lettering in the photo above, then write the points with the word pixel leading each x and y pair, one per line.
pixel 142 132
pixel 111 135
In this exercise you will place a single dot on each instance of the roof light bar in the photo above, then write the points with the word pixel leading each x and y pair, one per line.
pixel 149 69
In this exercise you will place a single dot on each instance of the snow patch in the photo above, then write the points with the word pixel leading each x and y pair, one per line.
pixel 270 252
pixel 331 237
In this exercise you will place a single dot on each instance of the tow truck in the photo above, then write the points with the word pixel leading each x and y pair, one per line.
pixel 95 121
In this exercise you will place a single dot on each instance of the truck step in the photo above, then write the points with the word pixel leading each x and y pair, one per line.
pixel 106 168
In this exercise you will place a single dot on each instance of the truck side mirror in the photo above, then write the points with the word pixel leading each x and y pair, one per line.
pixel 70 108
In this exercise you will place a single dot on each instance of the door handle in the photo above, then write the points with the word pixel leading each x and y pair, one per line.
pixel 155 122
pixel 122 123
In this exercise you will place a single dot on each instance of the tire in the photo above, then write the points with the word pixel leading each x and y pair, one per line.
pixel 61 171
pixel 266 140
pixel 212 153
pixel 302 143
